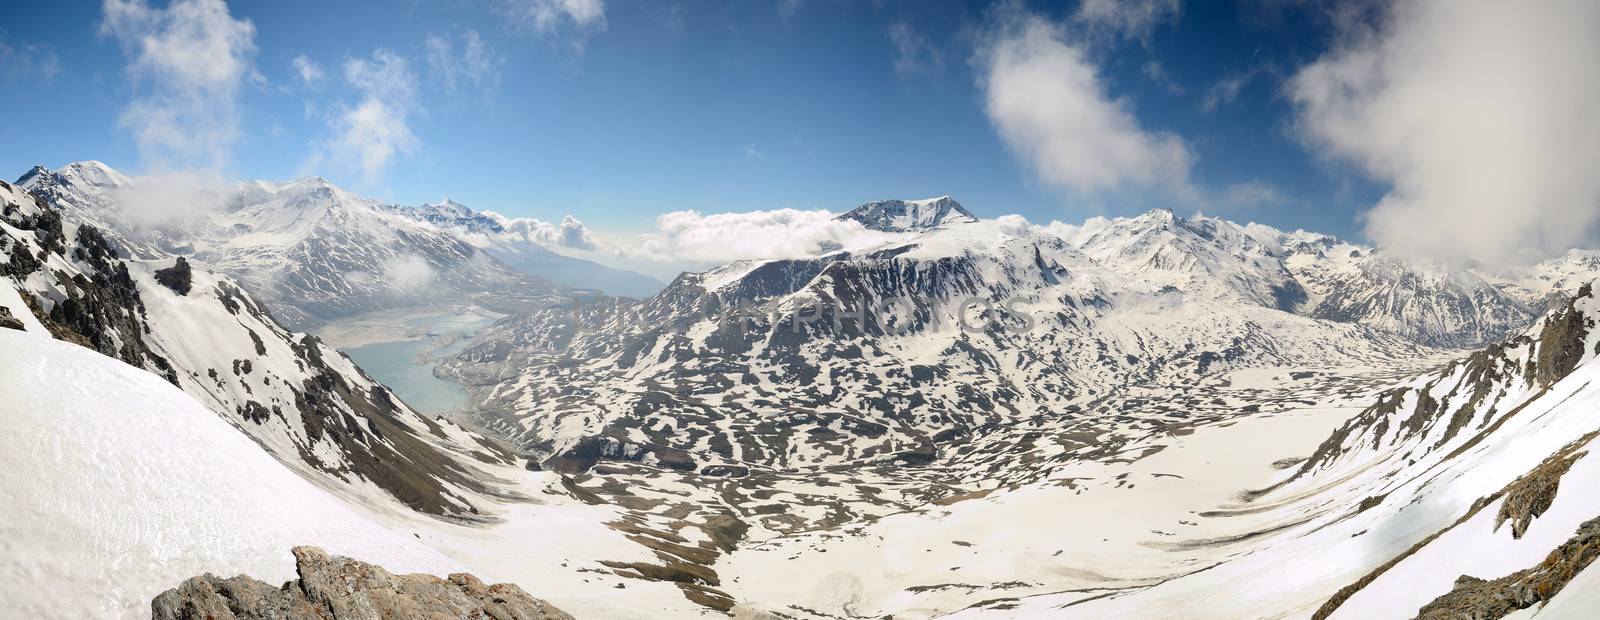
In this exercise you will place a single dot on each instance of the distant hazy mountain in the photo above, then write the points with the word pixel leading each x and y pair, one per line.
pixel 491 233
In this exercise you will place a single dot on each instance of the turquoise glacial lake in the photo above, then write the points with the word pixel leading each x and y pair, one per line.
pixel 406 366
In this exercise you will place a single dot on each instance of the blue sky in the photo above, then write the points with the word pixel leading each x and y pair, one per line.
pixel 617 112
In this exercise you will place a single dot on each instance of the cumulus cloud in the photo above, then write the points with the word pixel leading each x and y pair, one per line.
pixel 309 72
pixel 1128 18
pixel 545 16
pixel 569 233
pixel 371 133
pixel 188 62
pixel 1046 100
pixel 693 237
pixel 1483 116
pixel 471 63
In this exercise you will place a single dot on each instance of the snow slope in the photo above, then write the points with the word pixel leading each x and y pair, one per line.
pixel 1406 497
pixel 115 485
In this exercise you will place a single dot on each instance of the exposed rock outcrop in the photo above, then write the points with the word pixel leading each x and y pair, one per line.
pixel 179 277
pixel 1481 599
pixel 337 588
pixel 9 322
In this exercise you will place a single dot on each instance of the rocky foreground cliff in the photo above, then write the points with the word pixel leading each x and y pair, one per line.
pixel 332 587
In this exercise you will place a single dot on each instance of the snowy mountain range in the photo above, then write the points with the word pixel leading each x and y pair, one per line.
pixel 1133 417
pixel 313 251
pixel 872 346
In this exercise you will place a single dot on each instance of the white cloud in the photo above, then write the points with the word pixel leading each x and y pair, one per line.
pixel 570 233
pixel 695 238
pixel 913 52
pixel 408 272
pixel 1076 234
pixel 189 61
pixel 1252 194
pixel 1227 89
pixel 307 70
pixel 787 8
pixel 181 200
pixel 386 76
pixel 27 60
pixel 1156 72
pixel 1129 18
pixel 1046 100
pixel 473 64
pixel 1483 116
pixel 369 135
pixel 545 16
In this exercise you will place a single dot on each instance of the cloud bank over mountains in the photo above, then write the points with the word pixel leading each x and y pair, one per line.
pixel 709 239
pixel 1483 116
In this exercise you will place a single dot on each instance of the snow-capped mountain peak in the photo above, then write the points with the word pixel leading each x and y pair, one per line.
pixel 448 213
pixel 87 173
pixel 1204 256
pixel 910 215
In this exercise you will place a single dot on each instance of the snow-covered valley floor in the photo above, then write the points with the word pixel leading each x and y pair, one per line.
pixel 1088 529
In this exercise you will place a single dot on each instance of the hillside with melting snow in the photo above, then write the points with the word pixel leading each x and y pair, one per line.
pixel 301 400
